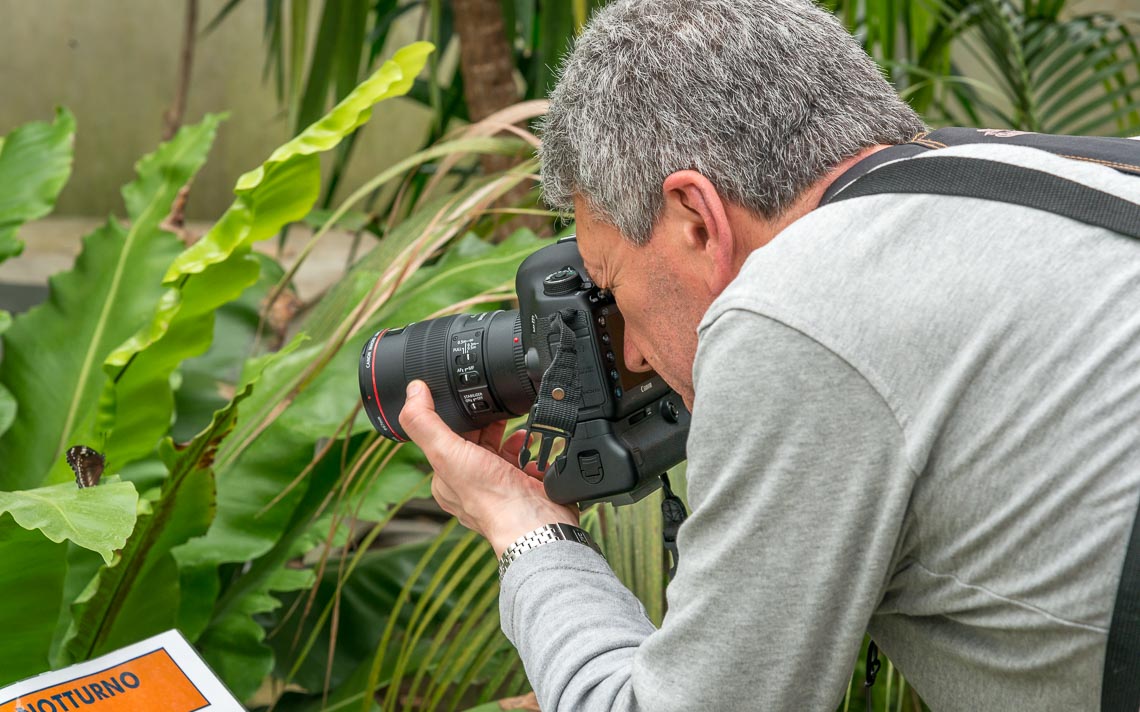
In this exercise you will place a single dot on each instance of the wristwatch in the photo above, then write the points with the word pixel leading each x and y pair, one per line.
pixel 544 535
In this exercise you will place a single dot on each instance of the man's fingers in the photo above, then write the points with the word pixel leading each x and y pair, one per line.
pixel 488 438
pixel 512 445
pixel 510 451
pixel 491 437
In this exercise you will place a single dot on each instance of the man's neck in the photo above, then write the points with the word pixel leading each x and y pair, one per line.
pixel 755 232
pixel 809 201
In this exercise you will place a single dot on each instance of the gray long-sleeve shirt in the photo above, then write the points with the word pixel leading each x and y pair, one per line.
pixel 914 415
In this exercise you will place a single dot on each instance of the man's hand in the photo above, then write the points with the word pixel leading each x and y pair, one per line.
pixel 477 477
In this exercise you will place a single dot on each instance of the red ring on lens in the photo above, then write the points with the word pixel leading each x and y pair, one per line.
pixel 376 392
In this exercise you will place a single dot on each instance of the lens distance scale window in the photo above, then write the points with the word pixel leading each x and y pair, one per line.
pixel 468 370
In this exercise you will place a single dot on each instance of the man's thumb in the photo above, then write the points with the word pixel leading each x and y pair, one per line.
pixel 418 415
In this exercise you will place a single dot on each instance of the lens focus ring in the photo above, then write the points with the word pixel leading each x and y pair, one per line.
pixel 425 342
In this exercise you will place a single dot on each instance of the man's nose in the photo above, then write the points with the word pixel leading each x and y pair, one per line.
pixel 634 359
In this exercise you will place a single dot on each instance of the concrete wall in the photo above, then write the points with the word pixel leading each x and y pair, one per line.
pixel 114 64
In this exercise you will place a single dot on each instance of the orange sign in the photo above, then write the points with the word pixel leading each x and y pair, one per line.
pixel 153 681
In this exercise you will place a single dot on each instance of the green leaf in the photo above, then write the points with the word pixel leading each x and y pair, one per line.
pixel 470 571
pixel 1095 108
pixel 558 30
pixel 138 596
pixel 277 191
pixel 495 707
pixel 321 477
pixel 242 530
pixel 470 267
pixel 183 327
pixel 52 353
pixel 245 528
pixel 96 518
pixel 82 566
pixel 322 68
pixel 298 36
pixel 365 601
pixel 35 162
pixel 350 44
pixel 218 268
pixel 1085 76
pixel 209 381
pixel 32 580
pixel 431 223
pixel 234 646
pixel 351 221
pixel 221 15
pixel 7 400
pixel 258 580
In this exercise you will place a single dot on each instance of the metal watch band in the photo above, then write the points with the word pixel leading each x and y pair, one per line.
pixel 544 535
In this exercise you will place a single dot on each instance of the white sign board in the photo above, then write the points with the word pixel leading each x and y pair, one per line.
pixel 159 674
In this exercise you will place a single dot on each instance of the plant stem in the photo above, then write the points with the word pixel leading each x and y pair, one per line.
pixel 172 119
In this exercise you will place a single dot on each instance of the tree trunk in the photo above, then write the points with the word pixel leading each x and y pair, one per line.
pixel 484 57
pixel 488 67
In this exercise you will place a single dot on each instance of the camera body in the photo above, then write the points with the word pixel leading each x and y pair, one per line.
pixel 631 427
pixel 625 428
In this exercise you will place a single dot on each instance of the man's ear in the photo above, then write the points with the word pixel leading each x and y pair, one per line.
pixel 702 224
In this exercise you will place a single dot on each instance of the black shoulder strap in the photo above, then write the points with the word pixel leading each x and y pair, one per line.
pixel 992 180
pixel 1120 691
pixel 1120 153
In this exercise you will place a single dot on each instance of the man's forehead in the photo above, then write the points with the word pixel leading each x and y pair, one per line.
pixel 594 237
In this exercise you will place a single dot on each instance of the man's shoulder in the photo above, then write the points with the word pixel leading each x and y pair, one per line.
pixel 897 255
pixel 899 286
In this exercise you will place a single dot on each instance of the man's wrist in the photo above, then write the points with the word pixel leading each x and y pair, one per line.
pixel 545 534
pixel 507 532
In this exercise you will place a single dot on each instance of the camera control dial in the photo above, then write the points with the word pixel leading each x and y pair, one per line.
pixel 563 281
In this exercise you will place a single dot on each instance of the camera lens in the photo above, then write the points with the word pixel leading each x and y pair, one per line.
pixel 473 364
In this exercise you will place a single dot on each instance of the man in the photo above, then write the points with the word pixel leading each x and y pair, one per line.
pixel 913 415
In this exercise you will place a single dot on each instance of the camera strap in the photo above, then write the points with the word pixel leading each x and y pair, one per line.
pixel 555 411
pixel 673 514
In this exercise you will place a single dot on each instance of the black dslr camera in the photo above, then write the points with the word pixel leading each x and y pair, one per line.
pixel 558 360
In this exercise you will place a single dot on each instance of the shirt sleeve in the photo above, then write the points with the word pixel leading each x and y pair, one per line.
pixel 799 484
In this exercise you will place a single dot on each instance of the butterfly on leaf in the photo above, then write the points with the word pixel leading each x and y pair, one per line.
pixel 87 464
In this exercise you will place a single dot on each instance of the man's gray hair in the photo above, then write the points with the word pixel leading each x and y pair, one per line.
pixel 762 97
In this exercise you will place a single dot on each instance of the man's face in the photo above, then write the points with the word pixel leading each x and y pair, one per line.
pixel 659 291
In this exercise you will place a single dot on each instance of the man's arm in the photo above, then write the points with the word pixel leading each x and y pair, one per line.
pixel 799 487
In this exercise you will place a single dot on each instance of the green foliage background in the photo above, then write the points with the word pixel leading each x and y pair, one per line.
pixel 246 494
